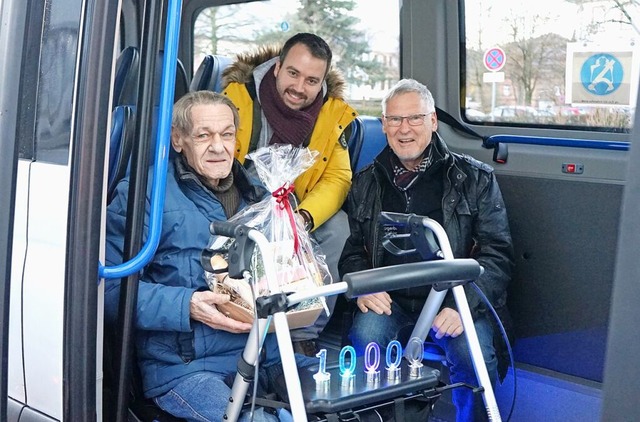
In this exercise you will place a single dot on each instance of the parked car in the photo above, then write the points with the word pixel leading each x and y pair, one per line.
pixel 473 114
pixel 520 114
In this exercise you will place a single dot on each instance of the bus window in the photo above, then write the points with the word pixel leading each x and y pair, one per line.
pixel 551 63
pixel 49 88
pixel 365 48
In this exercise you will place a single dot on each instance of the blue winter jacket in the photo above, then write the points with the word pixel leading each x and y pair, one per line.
pixel 171 346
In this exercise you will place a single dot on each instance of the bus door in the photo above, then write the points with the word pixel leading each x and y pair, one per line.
pixel 55 96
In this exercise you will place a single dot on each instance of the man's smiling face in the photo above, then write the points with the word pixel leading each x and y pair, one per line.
pixel 299 77
pixel 409 142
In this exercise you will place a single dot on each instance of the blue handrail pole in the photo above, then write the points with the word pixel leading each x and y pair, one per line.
pixel 556 142
pixel 163 136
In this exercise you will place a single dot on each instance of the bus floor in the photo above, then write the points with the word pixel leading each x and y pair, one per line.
pixel 541 394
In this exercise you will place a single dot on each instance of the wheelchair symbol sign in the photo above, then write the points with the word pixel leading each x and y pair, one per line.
pixel 601 74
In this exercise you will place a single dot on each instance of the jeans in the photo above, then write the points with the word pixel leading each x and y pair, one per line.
pixel 203 397
pixel 331 237
pixel 469 406
pixel 368 327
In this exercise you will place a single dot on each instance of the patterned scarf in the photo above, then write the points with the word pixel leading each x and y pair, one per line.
pixel 403 178
pixel 289 126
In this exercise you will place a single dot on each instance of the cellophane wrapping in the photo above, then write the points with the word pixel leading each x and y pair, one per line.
pixel 298 261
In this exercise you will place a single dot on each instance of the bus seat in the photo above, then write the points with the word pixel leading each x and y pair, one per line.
pixel 121 137
pixel 126 77
pixel 355 142
pixel 182 82
pixel 209 73
pixel 366 142
pixel 122 134
pixel 125 84
pixel 120 144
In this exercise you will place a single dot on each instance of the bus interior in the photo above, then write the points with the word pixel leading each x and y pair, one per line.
pixel 86 93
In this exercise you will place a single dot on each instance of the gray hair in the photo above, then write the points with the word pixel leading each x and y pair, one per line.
pixel 181 119
pixel 410 85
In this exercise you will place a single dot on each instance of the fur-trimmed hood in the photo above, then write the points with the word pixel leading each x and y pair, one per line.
pixel 241 70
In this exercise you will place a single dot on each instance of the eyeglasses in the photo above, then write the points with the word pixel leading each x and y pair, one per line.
pixel 414 119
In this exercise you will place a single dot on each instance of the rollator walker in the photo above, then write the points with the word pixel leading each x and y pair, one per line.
pixel 333 396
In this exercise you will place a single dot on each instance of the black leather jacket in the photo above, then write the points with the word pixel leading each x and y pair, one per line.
pixel 474 218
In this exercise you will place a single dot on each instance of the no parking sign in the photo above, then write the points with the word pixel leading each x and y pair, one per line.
pixel 494 59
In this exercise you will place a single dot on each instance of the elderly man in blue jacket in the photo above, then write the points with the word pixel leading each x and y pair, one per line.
pixel 185 346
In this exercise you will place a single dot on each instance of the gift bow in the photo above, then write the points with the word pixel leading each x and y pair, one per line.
pixel 282 199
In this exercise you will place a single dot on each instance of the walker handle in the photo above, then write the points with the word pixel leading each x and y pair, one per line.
pixel 225 228
pixel 414 274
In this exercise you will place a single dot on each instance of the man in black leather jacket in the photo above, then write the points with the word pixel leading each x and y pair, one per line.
pixel 416 173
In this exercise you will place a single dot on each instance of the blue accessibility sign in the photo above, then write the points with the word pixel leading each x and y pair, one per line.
pixel 601 74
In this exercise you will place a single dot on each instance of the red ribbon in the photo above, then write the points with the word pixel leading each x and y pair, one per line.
pixel 282 198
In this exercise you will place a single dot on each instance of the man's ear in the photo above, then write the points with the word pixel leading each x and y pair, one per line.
pixel 276 68
pixel 176 140
pixel 434 121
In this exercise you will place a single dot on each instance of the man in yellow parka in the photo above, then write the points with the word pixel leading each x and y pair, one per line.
pixel 292 96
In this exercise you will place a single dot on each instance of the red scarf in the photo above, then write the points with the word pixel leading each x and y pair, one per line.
pixel 289 126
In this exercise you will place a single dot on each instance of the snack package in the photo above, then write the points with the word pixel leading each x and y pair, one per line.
pixel 297 261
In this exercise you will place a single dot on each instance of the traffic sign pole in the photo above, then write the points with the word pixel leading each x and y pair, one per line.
pixel 493 100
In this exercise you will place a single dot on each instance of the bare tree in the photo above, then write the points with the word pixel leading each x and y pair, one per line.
pixel 335 22
pixel 219 23
pixel 533 59
pixel 628 10
pixel 621 12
